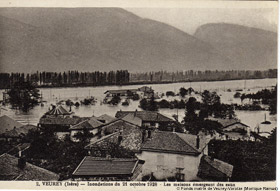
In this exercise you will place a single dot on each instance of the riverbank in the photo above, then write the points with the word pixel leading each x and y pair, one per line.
pixel 141 83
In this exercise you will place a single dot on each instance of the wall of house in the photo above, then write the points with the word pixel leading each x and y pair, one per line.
pixel 163 165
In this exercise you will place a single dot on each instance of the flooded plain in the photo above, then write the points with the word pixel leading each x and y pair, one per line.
pixel 225 89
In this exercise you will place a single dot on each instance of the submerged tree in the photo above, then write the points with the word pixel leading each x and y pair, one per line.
pixel 23 95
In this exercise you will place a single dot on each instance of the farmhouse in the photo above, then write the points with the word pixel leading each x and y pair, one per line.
pixel 148 118
pixel 171 154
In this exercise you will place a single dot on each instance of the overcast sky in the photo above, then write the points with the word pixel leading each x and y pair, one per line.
pixel 188 19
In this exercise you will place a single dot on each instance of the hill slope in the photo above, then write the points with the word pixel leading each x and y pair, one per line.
pixel 89 39
pixel 248 48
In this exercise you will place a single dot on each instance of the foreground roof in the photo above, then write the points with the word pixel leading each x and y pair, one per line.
pixel 145 115
pixel 90 124
pixel 177 143
pixel 95 166
pixel 7 124
pixel 11 171
pixel 217 165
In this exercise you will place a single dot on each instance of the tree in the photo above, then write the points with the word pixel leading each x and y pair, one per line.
pixel 190 116
pixel 115 100
pixel 149 105
pixel 23 95
pixel 183 92
pixel 84 136
pixel 112 149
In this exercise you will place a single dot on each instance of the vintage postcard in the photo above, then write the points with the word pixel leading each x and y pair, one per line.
pixel 170 95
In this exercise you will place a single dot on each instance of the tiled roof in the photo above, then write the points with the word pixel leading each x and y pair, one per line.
pixel 219 165
pixel 7 123
pixel 61 120
pixel 58 110
pixel 20 147
pixel 130 117
pixel 11 171
pixel 90 124
pixel 171 142
pixel 106 118
pixel 145 116
pixel 94 166
pixel 103 139
pixel 118 125
pixel 226 122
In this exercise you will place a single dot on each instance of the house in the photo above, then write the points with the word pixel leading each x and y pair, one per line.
pixel 233 129
pixel 92 125
pixel 17 133
pixel 58 111
pixel 121 93
pixel 7 124
pixel 59 120
pixel 146 91
pixel 108 169
pixel 13 168
pixel 211 169
pixel 170 154
pixel 120 132
pixel 149 118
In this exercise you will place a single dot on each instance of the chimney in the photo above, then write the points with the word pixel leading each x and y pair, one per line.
pixel 21 161
pixel 120 139
pixel 143 135
pixel 149 133
pixel 197 141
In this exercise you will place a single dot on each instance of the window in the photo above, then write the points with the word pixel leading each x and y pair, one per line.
pixel 180 162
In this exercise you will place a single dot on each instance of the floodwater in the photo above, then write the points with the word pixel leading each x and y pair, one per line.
pixel 226 90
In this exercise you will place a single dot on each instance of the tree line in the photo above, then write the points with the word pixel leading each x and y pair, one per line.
pixel 62 79
pixel 208 75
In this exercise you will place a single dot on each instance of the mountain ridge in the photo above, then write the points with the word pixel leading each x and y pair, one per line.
pixel 100 39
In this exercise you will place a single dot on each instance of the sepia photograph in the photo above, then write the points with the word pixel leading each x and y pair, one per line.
pixel 172 94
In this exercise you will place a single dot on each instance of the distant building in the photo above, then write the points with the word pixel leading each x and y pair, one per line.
pixel 59 120
pixel 108 169
pixel 13 168
pixel 148 118
pixel 92 125
pixel 233 129
pixel 146 92
pixel 171 154
pixel 211 169
pixel 121 93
